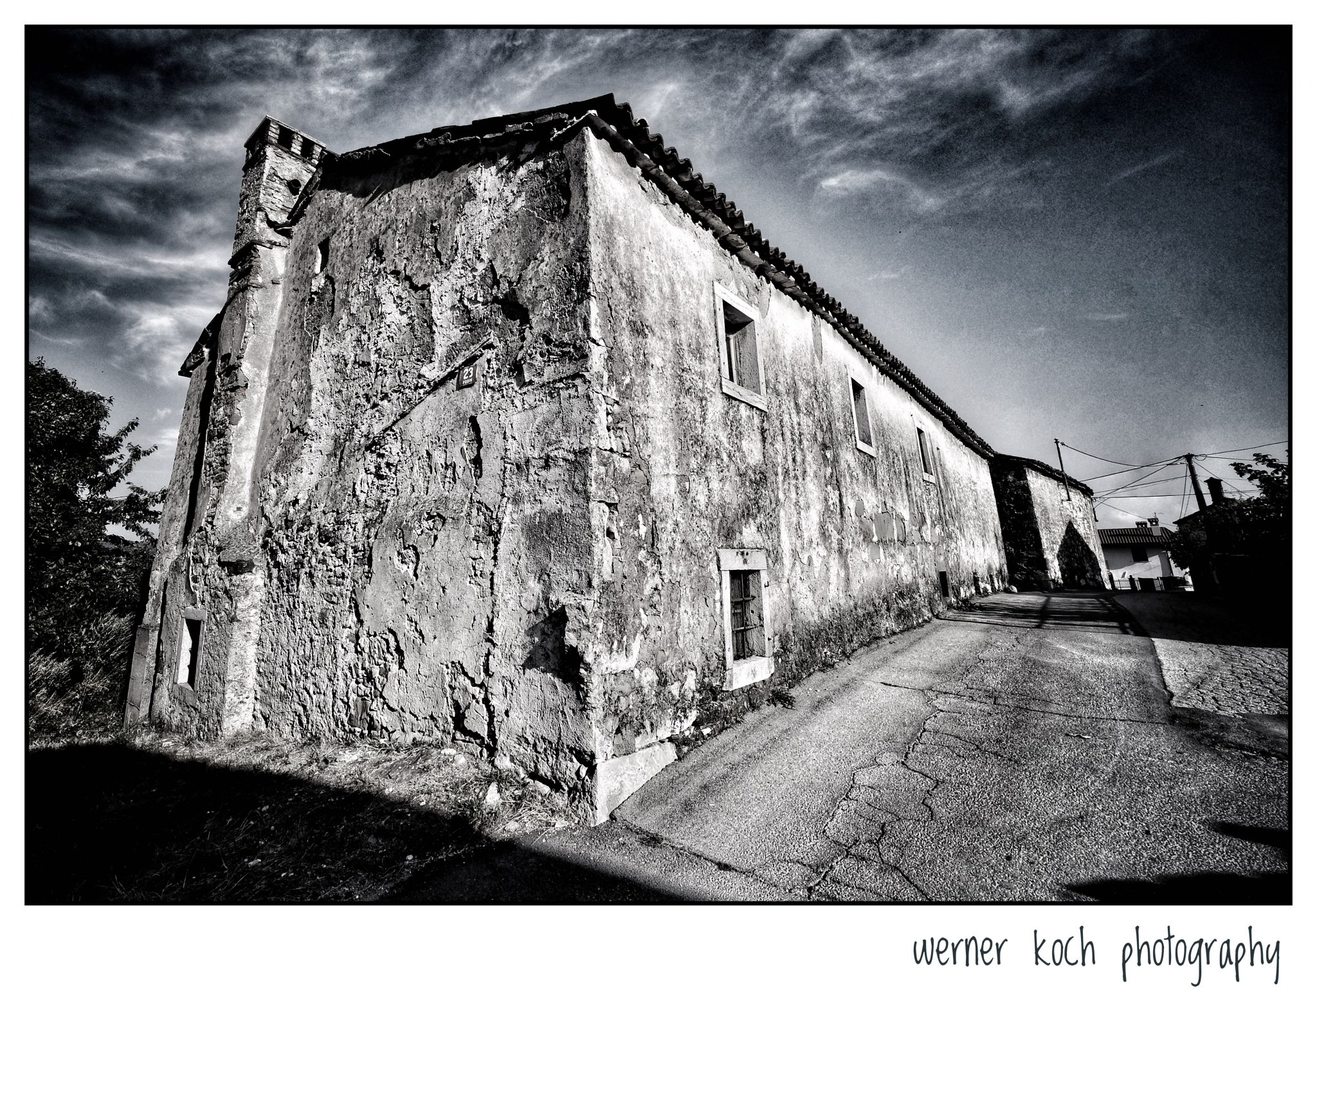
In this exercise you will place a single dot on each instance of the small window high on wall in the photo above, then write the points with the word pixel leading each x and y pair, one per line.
pixel 738 348
pixel 860 407
pixel 925 455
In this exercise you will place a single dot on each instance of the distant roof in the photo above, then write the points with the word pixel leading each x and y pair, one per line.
pixel 673 174
pixel 1212 505
pixel 1049 471
pixel 1133 536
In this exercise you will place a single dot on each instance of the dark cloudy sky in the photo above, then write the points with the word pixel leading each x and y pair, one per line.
pixel 1080 234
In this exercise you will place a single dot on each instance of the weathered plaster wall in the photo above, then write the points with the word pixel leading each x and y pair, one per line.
pixel 854 541
pixel 379 552
pixel 527 565
pixel 428 551
pixel 1051 539
pixel 205 565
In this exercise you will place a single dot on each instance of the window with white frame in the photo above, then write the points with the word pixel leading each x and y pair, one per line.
pixel 860 408
pixel 747 642
pixel 738 348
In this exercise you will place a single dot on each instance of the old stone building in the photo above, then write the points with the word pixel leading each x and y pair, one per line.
pixel 1048 526
pixel 517 435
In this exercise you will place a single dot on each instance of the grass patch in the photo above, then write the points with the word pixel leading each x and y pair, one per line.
pixel 150 817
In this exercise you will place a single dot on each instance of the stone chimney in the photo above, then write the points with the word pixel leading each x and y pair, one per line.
pixel 279 162
pixel 1215 491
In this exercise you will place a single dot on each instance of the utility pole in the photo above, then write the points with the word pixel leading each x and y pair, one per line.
pixel 1198 489
pixel 1063 474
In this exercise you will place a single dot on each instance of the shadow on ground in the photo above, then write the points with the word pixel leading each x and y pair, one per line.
pixel 112 823
pixel 1059 610
pixel 1216 888
pixel 1212 888
pixel 1255 619
pixel 1265 735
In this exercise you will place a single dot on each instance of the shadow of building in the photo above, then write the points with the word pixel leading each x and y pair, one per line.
pixel 1048 532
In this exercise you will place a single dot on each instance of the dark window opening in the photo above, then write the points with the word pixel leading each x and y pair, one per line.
pixel 285 138
pixel 945 582
pixel 322 256
pixel 1139 553
pixel 739 346
pixel 862 430
pixel 924 456
pixel 190 652
pixel 295 186
pixel 747 607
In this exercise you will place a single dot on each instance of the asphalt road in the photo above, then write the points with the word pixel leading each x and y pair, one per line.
pixel 1025 749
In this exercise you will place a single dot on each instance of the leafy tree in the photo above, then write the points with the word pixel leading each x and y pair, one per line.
pixel 1258 527
pixel 89 538
pixel 1271 507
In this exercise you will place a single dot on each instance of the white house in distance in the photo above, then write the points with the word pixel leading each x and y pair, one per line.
pixel 1137 557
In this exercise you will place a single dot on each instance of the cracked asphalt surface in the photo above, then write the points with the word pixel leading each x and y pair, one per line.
pixel 1021 749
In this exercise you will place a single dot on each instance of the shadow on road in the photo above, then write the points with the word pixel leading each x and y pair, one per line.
pixel 112 823
pixel 1215 888
pixel 1265 735
pixel 1253 619
pixel 1254 834
pixel 1060 610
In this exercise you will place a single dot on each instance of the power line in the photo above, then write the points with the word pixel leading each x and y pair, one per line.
pixel 1231 480
pixel 1129 468
pixel 1113 461
pixel 1160 481
pixel 1115 473
pixel 1184 490
pixel 1131 484
pixel 1121 510
pixel 1237 450
pixel 1169 495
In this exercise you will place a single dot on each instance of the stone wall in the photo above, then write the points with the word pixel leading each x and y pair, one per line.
pixel 854 540
pixel 1050 536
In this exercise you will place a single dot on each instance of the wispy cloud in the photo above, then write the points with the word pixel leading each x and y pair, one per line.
pixel 39 309
pixel 871 181
pixel 1145 166
pixel 950 137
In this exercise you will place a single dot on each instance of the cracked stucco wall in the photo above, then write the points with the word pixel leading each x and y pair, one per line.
pixel 378 552
pixel 854 541
pixel 528 565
